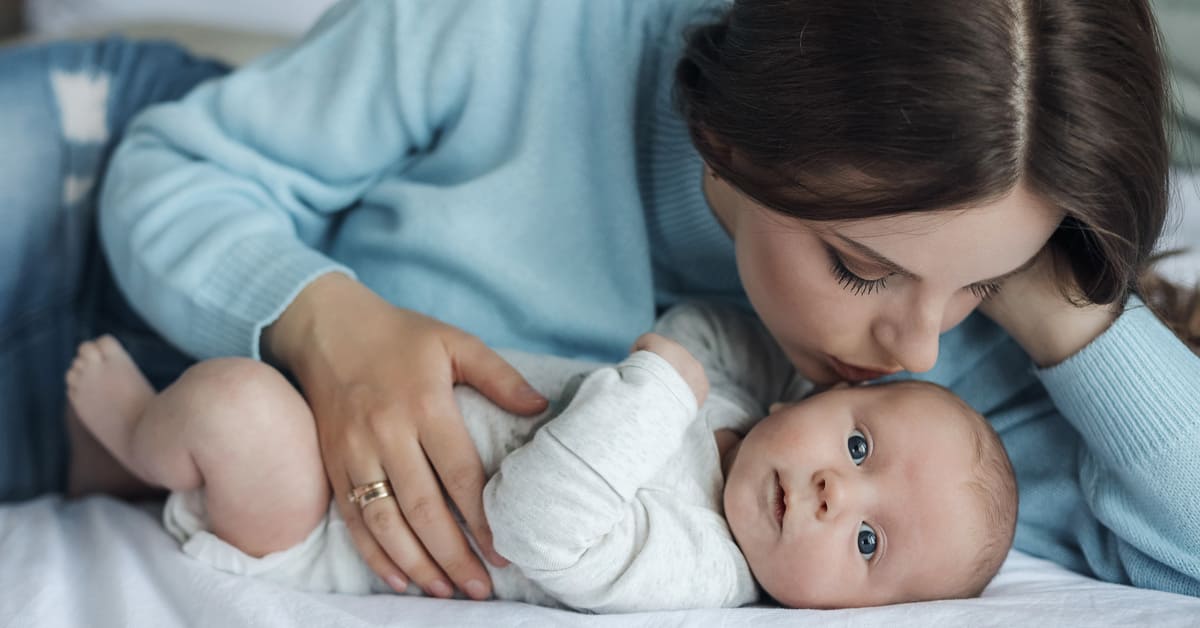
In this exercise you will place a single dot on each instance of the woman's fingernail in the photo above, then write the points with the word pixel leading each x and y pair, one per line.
pixel 476 589
pixel 529 393
pixel 397 583
pixel 440 589
pixel 498 560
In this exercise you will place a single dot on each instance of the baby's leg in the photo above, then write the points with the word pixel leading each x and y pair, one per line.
pixel 232 425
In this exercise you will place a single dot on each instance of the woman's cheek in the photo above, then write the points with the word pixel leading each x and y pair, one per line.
pixel 959 309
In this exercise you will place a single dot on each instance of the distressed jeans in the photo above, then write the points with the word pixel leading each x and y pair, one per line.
pixel 63 107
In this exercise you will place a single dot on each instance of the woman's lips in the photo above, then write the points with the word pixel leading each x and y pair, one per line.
pixel 856 373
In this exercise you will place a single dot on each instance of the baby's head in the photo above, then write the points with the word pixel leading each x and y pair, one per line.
pixel 882 494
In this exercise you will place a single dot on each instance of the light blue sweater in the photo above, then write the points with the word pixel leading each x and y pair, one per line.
pixel 515 168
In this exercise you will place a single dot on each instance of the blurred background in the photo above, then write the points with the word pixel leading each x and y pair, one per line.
pixel 10 17
pixel 66 17
pixel 206 26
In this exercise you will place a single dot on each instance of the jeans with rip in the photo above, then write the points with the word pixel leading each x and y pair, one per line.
pixel 63 108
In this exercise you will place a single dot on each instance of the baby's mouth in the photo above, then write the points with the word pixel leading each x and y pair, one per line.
pixel 780 504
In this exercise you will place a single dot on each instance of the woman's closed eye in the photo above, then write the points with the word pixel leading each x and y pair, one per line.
pixel 852 281
pixel 859 285
pixel 984 291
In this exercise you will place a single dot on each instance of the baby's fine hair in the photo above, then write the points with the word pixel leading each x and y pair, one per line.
pixel 862 108
pixel 995 488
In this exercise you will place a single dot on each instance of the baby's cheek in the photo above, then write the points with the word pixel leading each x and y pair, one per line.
pixel 810 574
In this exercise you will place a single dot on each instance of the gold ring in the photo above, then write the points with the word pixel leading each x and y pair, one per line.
pixel 367 493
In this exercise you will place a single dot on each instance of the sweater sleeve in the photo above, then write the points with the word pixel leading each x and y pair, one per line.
pixel 216 209
pixel 746 369
pixel 567 507
pixel 1133 395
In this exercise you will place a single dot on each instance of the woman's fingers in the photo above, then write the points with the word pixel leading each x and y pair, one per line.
pixel 422 502
pixel 372 553
pixel 385 524
pixel 448 446
pixel 478 366
pixel 380 380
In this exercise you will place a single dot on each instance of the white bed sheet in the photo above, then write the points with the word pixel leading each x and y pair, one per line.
pixel 99 562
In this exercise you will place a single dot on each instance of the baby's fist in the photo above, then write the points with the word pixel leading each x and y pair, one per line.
pixel 684 363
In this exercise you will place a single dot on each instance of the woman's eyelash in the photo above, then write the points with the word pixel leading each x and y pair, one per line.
pixel 852 282
pixel 861 286
pixel 985 291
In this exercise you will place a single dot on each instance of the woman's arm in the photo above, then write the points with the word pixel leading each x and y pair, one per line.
pixel 1131 391
pixel 1133 395
pixel 215 214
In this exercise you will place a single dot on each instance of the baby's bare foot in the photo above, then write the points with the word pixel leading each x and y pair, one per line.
pixel 108 393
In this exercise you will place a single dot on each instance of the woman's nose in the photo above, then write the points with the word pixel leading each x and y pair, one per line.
pixel 910 337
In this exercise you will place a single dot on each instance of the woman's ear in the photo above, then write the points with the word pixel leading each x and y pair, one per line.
pixel 717 150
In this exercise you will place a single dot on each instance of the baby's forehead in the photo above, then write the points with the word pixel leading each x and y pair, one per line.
pixel 919 402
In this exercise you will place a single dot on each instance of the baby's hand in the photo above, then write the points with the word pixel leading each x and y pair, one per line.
pixel 688 367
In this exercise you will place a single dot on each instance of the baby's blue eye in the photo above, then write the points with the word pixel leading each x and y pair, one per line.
pixel 857 444
pixel 866 540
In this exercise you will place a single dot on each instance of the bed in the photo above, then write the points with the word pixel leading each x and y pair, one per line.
pixel 102 562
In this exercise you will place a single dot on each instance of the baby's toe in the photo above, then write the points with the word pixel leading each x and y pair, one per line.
pixel 88 351
pixel 109 346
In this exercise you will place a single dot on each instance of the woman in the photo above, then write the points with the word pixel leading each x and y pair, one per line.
pixel 418 181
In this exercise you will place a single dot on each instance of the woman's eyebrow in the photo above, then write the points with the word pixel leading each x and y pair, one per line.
pixel 877 257
pixel 893 267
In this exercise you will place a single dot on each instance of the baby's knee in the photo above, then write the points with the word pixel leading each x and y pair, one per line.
pixel 246 398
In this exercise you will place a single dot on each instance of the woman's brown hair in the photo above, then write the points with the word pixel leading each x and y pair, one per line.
pixel 863 108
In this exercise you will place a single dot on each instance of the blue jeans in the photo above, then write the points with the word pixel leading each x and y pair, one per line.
pixel 63 107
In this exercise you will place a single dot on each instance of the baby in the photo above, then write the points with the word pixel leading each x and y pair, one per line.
pixel 633 491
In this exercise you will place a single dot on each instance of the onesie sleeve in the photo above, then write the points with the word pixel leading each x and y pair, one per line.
pixel 1133 395
pixel 568 510
pixel 217 209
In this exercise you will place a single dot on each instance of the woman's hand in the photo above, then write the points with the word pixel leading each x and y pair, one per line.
pixel 379 379
pixel 1033 309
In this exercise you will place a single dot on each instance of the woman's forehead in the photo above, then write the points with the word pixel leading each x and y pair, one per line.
pixel 988 240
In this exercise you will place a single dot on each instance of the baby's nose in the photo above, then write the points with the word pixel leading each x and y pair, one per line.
pixel 834 493
pixel 828 497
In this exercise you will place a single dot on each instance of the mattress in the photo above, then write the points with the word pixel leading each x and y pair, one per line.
pixel 100 562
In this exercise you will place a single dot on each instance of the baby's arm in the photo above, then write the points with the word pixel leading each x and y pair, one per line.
pixel 746 368
pixel 567 508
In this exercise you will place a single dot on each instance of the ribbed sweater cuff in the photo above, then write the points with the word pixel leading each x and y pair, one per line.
pixel 1132 390
pixel 250 288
